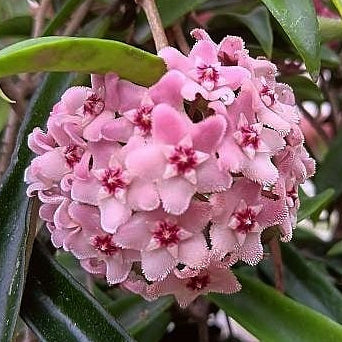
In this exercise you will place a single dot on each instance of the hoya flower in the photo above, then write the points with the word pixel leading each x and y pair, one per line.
pixel 248 146
pixel 240 216
pixel 187 287
pixel 88 241
pixel 180 159
pixel 137 103
pixel 111 187
pixel 205 74
pixel 166 240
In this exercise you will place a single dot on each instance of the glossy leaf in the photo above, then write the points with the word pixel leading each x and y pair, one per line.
pixel 336 249
pixel 304 88
pixel 87 55
pixel 170 11
pixel 62 16
pixel 258 22
pixel 338 5
pixel 58 308
pixel 329 171
pixel 311 205
pixel 13 202
pixel 17 26
pixel 306 284
pixel 298 19
pixel 270 316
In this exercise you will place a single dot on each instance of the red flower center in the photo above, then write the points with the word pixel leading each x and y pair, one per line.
pixel 184 158
pixel 143 119
pixel 246 220
pixel 104 244
pixel 267 95
pixel 93 105
pixel 166 233
pixel 113 180
pixel 198 283
pixel 250 137
pixel 73 155
pixel 207 73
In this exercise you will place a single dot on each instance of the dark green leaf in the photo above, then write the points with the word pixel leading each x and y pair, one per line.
pixel 329 58
pixel 329 171
pixel 306 284
pixel 299 21
pixel 58 308
pixel 88 55
pixel 13 202
pixel 304 88
pixel 271 316
pixel 61 17
pixel 312 205
pixel 258 22
pixel 336 249
pixel 170 11
pixel 17 26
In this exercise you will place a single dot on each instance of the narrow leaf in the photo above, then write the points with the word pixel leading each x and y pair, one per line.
pixel 5 97
pixel 58 308
pixel 16 26
pixel 336 249
pixel 310 205
pixel 338 5
pixel 87 55
pixel 299 21
pixel 270 316
pixel 330 29
pixel 62 16
pixel 13 202
pixel 304 283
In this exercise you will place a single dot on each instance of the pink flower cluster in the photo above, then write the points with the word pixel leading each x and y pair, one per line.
pixel 163 189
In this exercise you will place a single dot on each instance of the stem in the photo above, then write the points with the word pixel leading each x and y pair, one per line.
pixel 77 18
pixel 180 39
pixel 40 18
pixel 278 264
pixel 153 18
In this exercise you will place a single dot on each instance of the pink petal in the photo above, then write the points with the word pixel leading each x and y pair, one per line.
pixel 174 59
pixel 157 264
pixel 143 195
pixel 117 130
pixel 251 251
pixel 208 134
pixel 113 214
pixel 176 194
pixel 193 252
pixel 168 125
pixel 117 269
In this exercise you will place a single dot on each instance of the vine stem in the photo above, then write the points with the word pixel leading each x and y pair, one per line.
pixel 277 263
pixel 153 18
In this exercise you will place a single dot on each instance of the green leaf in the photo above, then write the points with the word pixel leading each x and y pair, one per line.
pixel 329 171
pixel 57 308
pixel 170 11
pixel 299 21
pixel 4 97
pixel 62 16
pixel 304 88
pixel 13 202
pixel 17 26
pixel 87 55
pixel 335 250
pixel 306 284
pixel 338 5
pixel 312 205
pixel 330 29
pixel 329 58
pixel 258 22
pixel 270 316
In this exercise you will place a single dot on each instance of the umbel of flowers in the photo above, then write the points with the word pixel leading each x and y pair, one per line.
pixel 163 189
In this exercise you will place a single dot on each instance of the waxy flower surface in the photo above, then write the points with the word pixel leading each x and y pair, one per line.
pixel 163 189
